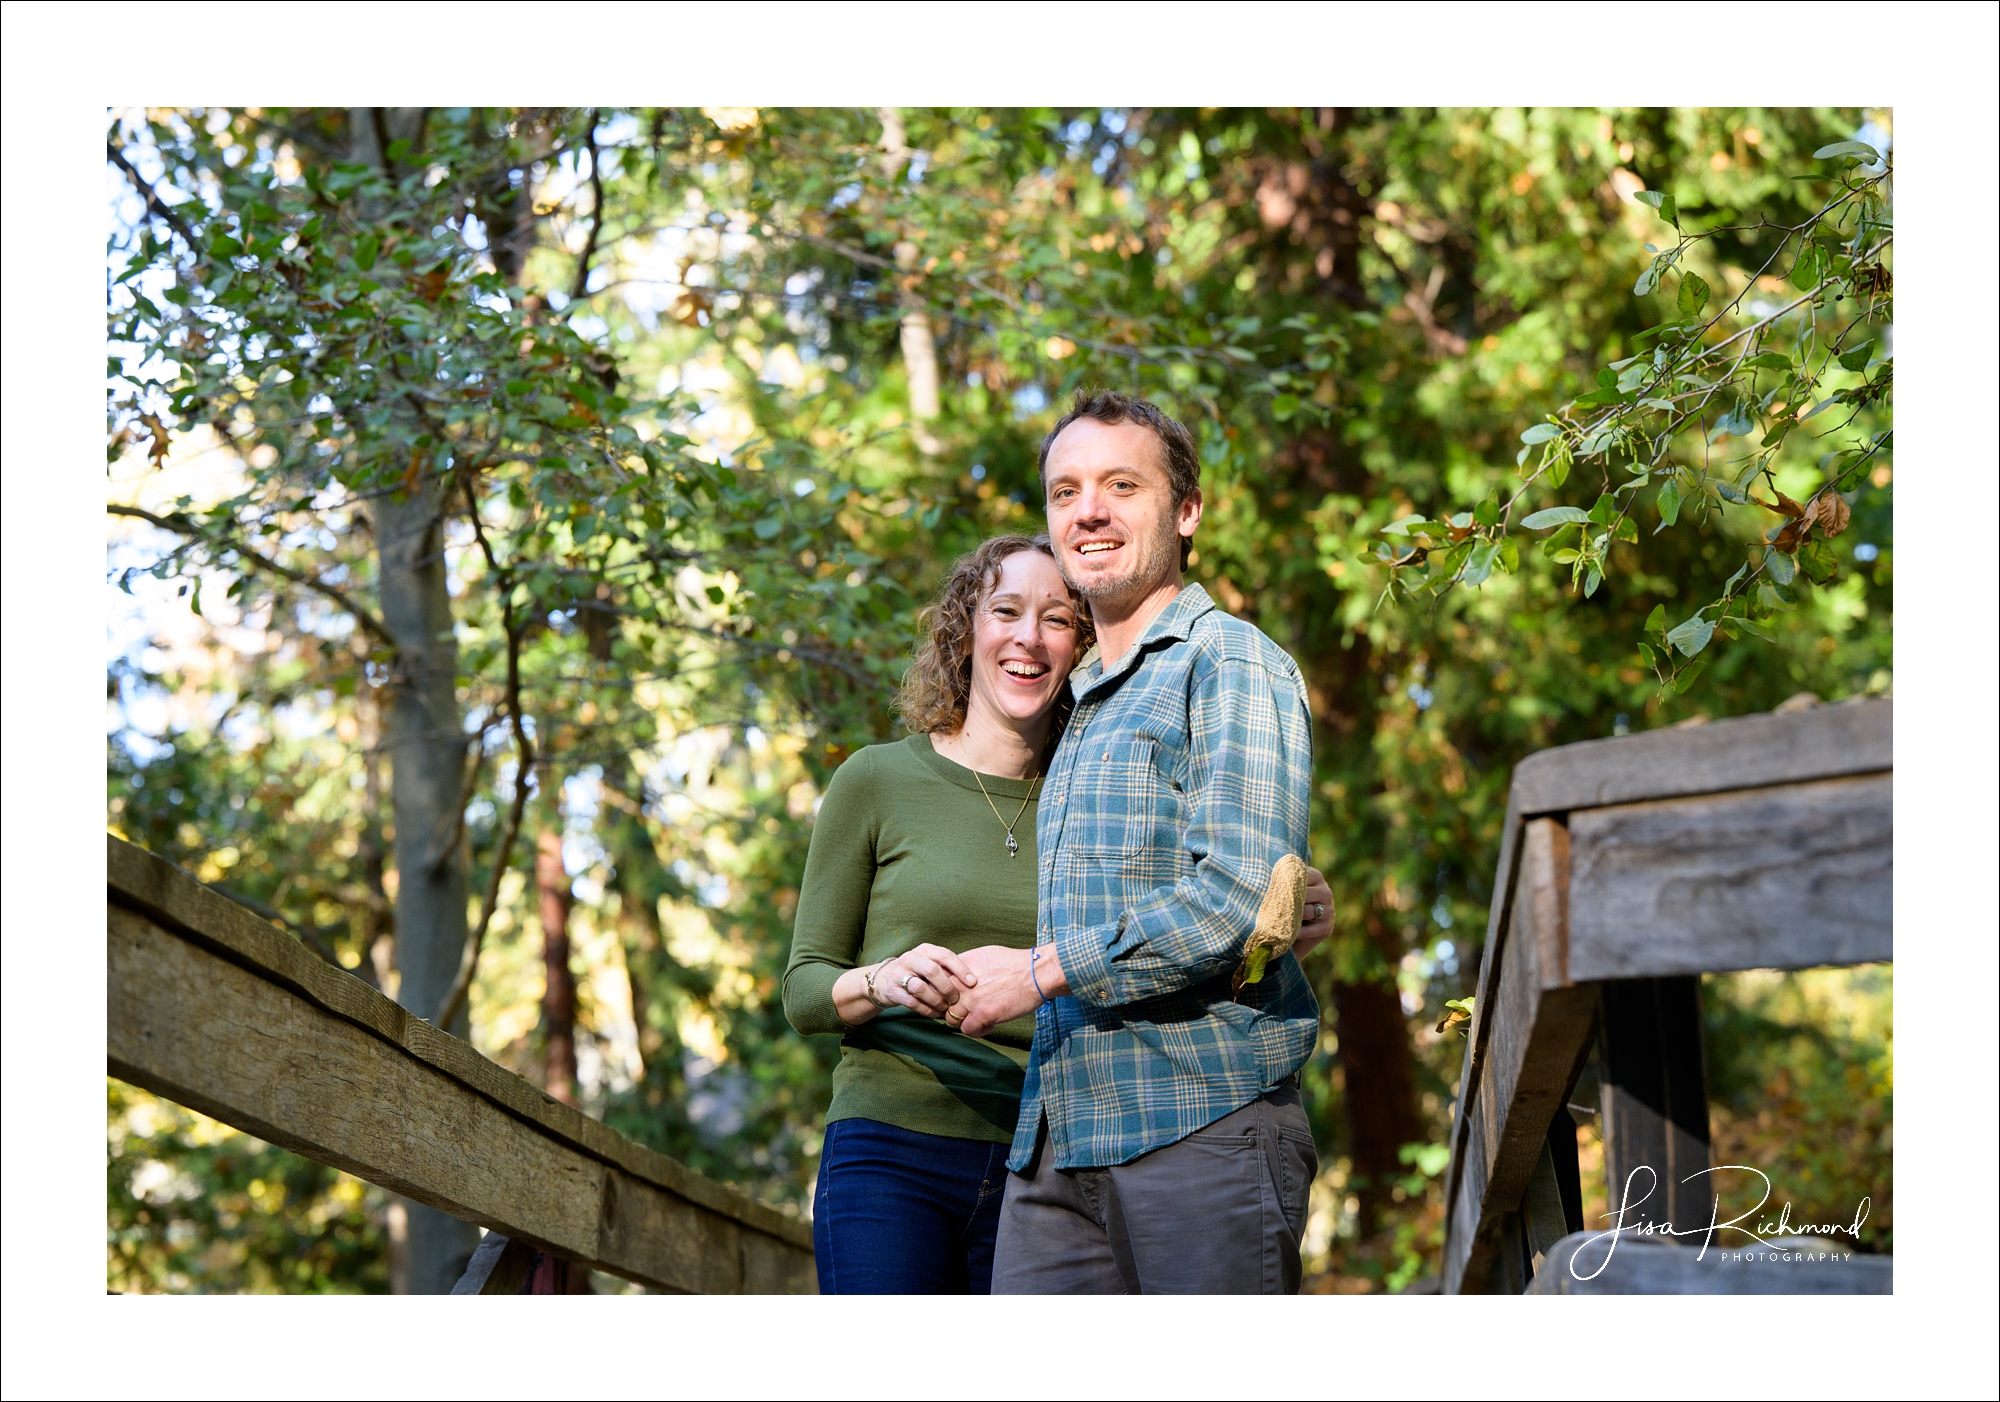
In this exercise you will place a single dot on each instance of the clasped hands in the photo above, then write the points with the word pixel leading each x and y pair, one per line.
pixel 976 991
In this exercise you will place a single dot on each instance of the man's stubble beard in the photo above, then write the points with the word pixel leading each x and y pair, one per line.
pixel 1157 563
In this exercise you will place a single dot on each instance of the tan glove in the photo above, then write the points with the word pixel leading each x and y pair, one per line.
pixel 1277 921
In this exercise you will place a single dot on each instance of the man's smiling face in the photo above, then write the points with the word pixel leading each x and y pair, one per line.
pixel 1111 510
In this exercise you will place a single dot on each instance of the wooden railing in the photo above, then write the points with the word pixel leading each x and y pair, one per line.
pixel 212 1007
pixel 1628 868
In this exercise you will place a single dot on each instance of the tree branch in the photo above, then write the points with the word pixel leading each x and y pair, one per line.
pixel 367 621
pixel 468 964
pixel 581 287
pixel 154 204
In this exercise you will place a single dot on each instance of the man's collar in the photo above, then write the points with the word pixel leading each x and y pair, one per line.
pixel 1174 622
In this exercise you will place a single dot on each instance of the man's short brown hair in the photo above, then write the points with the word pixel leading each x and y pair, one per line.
pixel 1108 406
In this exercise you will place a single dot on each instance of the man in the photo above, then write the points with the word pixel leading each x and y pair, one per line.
pixel 1162 1147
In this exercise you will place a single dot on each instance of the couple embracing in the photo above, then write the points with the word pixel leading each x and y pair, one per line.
pixel 1051 925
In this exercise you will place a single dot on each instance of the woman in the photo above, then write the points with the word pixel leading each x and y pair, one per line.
pixel 922 849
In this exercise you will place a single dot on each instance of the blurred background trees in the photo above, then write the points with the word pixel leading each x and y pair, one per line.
pixel 519 513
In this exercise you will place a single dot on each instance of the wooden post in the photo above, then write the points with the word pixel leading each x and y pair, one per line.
pixel 1655 1102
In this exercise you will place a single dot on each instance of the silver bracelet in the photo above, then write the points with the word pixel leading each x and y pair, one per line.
pixel 868 981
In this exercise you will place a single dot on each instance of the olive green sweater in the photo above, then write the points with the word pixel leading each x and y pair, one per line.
pixel 907 851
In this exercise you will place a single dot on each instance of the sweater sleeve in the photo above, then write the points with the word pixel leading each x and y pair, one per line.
pixel 832 912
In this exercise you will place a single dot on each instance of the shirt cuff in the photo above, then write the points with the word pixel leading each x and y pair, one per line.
pixel 808 999
pixel 1086 962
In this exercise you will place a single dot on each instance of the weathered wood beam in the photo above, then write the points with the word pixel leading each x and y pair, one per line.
pixel 1854 737
pixel 1654 1098
pixel 1745 753
pixel 215 1009
pixel 1540 1026
pixel 1786 877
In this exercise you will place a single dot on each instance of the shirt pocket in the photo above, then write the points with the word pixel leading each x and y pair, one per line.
pixel 1131 811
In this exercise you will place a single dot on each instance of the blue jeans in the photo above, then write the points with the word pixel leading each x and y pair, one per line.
pixel 902 1213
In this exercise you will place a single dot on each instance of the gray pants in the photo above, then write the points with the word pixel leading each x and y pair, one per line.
pixel 1220 1212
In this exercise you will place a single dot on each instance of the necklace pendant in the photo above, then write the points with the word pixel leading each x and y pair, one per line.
pixel 1013 847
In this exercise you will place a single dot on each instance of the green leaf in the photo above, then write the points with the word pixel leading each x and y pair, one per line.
pixel 1591 581
pixel 1867 154
pixel 1780 567
pixel 1769 360
pixel 1688 675
pixel 1648 656
pixel 1551 517
pixel 1656 621
pixel 1487 513
pixel 1655 198
pixel 1404 526
pixel 768 527
pixel 1669 501
pixel 1692 636
pixel 1607 378
pixel 1633 376
pixel 1856 358
pixel 1510 555
pixel 1479 564
pixel 1541 433
pixel 1806 268
pixel 1604 510
pixel 365 250
pixel 1566 556
pixel 1693 295
pixel 1559 470
pixel 1284 406
pixel 1819 562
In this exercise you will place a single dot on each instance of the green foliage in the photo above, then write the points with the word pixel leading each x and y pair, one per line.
pixel 1802 1087
pixel 1751 364
pixel 196 1208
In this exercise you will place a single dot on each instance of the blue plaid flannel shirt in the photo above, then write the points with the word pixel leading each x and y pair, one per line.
pixel 1184 775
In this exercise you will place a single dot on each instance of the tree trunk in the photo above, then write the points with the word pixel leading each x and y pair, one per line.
pixel 559 990
pixel 919 342
pixel 425 740
pixel 1381 1080
pixel 641 881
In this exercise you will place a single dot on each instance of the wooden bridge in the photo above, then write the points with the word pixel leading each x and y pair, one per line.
pixel 1628 869
pixel 213 1008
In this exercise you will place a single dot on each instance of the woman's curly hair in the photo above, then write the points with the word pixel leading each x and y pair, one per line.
pixel 938 685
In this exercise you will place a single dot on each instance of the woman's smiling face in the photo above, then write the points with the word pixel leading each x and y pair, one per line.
pixel 1024 639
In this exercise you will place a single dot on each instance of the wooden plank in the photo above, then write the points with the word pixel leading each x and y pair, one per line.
pixel 143 882
pixel 210 1034
pixel 1798 1266
pixel 1654 1094
pixel 1747 752
pixel 1785 877
pixel 498 1267
pixel 237 1038
pixel 1539 1025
